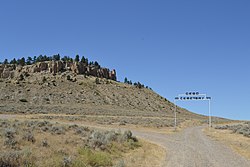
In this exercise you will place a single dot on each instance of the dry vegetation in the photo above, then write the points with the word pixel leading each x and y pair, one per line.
pixel 41 99
pixel 149 155
pixel 105 103
pixel 235 136
pixel 241 128
pixel 41 143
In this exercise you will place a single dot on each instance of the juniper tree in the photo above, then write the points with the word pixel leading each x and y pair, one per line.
pixel 56 57
pixel 29 61
pixel 77 59
pixel 6 61
pixel 126 80
pixel 22 61
pixel 13 61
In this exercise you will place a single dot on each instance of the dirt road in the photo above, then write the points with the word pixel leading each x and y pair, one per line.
pixel 192 148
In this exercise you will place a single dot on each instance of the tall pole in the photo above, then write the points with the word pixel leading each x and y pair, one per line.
pixel 175 116
pixel 210 121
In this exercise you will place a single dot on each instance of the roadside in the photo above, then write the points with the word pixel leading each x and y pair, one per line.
pixel 189 147
pixel 239 143
pixel 146 155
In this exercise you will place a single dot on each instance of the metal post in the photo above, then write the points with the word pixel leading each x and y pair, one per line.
pixel 175 115
pixel 209 113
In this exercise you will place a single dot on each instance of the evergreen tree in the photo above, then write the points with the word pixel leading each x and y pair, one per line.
pixel 39 58
pixel 83 60
pixel 22 61
pixel 29 61
pixel 77 58
pixel 18 61
pixel 66 58
pixel 126 80
pixel 6 61
pixel 86 61
pixel 96 63
pixel 13 61
pixel 56 57
pixel 48 58
pixel 44 58
pixel 34 59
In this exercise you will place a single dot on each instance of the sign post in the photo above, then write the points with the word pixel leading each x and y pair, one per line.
pixel 192 96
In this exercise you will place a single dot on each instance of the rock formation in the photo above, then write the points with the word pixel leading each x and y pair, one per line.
pixel 57 67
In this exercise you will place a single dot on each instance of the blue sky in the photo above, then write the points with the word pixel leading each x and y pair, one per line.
pixel 171 46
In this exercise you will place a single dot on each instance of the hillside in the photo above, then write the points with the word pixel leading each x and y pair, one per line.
pixel 74 94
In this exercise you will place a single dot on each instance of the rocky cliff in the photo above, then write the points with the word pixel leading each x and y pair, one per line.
pixel 56 67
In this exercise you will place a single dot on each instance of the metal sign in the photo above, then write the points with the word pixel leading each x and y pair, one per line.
pixel 190 96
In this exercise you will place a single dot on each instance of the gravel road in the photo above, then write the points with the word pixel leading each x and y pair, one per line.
pixel 192 148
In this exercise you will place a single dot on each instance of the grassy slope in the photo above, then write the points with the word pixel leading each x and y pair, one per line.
pixel 85 97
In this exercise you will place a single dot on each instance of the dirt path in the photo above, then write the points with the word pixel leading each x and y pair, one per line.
pixel 189 148
pixel 192 148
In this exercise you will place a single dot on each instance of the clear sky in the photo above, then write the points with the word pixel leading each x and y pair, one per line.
pixel 173 46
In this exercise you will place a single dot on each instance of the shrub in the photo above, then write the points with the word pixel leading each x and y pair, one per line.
pixel 10 143
pixel 81 131
pixel 57 130
pixel 110 136
pixel 15 159
pixel 10 159
pixel 10 138
pixel 97 81
pixel 9 132
pixel 96 140
pixel 243 129
pixel 127 135
pixel 28 136
pixel 4 124
pixel 67 161
pixel 68 78
pixel 45 143
pixel 73 126
pixel 23 100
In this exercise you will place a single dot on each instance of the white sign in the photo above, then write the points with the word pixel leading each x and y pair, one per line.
pixel 188 96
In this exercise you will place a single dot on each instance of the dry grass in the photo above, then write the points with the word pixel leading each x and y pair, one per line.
pixel 149 155
pixel 84 97
pixel 70 147
pixel 237 142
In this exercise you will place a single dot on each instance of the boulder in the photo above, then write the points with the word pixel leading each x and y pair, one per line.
pixel 112 75
pixel 81 68
pixel 103 73
pixel 43 66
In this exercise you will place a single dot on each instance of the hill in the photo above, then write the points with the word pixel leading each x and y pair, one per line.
pixel 84 92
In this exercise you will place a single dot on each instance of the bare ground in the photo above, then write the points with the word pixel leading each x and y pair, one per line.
pixel 192 148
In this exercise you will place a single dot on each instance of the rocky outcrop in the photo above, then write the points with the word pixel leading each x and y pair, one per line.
pixel 57 67
pixel 7 71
